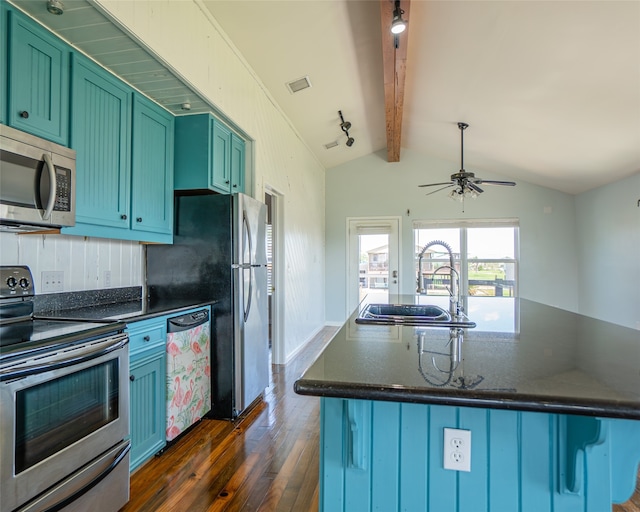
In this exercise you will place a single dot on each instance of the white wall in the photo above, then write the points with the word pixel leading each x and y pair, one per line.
pixel 84 261
pixel 370 186
pixel 609 252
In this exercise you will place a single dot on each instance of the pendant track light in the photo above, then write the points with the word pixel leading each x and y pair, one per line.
pixel 398 25
pixel 345 126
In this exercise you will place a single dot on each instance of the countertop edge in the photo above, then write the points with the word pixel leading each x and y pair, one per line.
pixel 533 403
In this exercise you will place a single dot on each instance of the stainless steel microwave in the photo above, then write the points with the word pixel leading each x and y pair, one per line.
pixel 37 182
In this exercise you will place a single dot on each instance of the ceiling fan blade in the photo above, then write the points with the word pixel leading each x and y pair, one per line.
pixel 475 187
pixel 436 184
pixel 435 191
pixel 492 182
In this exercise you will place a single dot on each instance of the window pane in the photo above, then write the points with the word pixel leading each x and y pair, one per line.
pixel 449 235
pixel 490 243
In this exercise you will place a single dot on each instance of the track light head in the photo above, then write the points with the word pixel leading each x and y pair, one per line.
pixel 398 25
pixel 345 126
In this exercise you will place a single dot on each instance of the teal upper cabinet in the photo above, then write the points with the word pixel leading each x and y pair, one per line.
pixel 237 164
pixel 152 176
pixel 38 96
pixel 220 177
pixel 4 30
pixel 124 167
pixel 208 155
pixel 101 121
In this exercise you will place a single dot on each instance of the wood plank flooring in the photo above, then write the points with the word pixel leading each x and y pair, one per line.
pixel 266 461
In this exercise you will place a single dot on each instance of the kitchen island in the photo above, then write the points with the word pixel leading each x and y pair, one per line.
pixel 552 400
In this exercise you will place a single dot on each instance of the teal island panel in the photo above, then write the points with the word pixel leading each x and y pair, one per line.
pixel 378 455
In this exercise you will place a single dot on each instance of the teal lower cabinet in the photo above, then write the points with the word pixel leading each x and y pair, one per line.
pixel 147 388
pixel 388 456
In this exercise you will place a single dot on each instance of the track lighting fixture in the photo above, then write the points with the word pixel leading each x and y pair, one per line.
pixel 345 126
pixel 398 24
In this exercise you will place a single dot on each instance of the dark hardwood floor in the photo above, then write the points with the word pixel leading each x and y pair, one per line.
pixel 266 461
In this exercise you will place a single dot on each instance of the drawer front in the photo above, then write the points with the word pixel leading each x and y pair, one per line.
pixel 146 335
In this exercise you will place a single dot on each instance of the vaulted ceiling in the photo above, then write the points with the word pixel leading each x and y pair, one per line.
pixel 550 89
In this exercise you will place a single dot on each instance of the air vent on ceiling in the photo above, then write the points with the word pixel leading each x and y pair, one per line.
pixel 331 145
pixel 299 85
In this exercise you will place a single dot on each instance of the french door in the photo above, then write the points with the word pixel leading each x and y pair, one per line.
pixel 373 260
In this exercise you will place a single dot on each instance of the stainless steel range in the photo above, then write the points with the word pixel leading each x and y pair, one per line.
pixel 64 397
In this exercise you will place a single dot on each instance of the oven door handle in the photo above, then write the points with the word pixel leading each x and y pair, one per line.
pixel 83 490
pixel 78 358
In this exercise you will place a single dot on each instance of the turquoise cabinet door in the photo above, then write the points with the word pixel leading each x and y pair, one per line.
pixel 38 81
pixel 192 155
pixel 237 164
pixel 220 173
pixel 147 387
pixel 4 44
pixel 147 406
pixel 152 169
pixel 101 114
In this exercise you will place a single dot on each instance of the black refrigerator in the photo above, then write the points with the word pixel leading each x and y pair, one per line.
pixel 219 254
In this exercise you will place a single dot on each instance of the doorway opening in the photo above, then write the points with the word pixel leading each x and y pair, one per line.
pixel 274 202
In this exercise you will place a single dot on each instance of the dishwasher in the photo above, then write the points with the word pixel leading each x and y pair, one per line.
pixel 188 370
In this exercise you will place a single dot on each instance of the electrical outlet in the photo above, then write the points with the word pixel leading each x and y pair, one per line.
pixel 52 281
pixel 457 449
pixel 107 278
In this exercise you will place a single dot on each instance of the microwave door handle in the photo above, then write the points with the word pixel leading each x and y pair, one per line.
pixel 53 189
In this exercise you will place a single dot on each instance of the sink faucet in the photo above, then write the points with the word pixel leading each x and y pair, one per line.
pixel 454 278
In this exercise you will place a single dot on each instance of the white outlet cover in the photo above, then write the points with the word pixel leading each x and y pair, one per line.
pixel 457 449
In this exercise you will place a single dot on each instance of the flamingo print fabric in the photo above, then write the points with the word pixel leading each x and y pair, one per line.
pixel 188 378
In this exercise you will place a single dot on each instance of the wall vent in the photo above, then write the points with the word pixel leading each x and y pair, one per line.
pixel 299 85
pixel 331 145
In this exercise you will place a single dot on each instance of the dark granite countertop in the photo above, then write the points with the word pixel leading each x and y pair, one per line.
pixel 124 304
pixel 523 356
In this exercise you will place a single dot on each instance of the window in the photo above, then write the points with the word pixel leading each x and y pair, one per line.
pixel 485 255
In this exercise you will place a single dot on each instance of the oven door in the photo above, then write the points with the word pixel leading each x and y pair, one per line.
pixel 59 413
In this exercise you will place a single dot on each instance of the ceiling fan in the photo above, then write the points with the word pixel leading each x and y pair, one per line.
pixel 465 183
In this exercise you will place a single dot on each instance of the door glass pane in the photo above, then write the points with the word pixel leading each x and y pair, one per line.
pixel 373 268
pixel 59 412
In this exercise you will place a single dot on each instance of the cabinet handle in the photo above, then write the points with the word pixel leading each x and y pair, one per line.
pixel 123 216
pixel 24 114
pixel 138 219
pixel 235 186
pixel 227 182
pixel 147 338
pixel 132 378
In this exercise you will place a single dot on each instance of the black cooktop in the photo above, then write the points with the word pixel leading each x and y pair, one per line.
pixel 40 334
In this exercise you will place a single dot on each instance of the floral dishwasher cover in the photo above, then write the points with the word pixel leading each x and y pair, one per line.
pixel 188 378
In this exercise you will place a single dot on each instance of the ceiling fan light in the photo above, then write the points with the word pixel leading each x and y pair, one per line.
pixel 469 192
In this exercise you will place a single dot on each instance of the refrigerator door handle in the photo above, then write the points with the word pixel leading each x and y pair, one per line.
pixel 248 265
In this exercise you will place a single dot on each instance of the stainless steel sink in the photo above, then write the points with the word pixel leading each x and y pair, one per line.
pixel 410 314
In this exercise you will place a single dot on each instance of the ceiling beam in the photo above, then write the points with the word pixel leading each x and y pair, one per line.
pixel 394 56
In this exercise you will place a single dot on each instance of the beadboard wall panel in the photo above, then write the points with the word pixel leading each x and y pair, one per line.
pixel 87 263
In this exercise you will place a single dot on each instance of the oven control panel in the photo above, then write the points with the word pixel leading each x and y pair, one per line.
pixel 16 281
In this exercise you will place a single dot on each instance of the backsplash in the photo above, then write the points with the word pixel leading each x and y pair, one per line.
pixel 63 263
